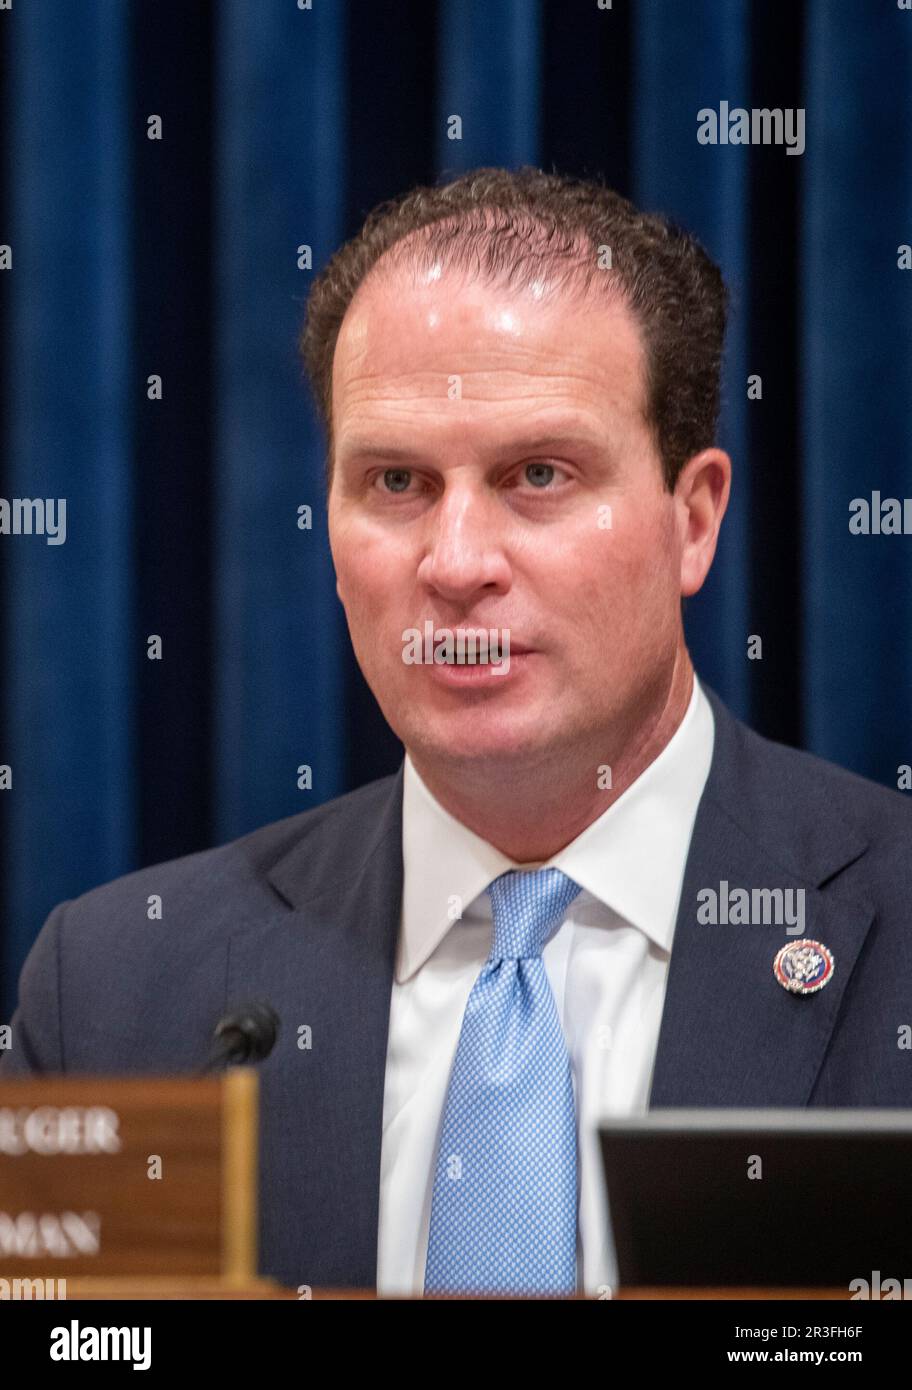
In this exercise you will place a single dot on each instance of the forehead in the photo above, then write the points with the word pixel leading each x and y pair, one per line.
pixel 413 342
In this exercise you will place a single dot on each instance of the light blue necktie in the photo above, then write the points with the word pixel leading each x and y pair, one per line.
pixel 504 1205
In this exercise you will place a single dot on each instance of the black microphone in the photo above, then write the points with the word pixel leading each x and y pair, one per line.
pixel 246 1034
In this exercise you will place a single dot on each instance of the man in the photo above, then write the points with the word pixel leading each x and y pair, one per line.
pixel 588 889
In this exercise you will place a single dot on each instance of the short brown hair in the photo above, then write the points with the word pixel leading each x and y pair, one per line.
pixel 510 225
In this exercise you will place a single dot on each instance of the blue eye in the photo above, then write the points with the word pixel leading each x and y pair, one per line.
pixel 547 468
pixel 394 476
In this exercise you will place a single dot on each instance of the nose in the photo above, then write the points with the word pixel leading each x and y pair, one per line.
pixel 465 553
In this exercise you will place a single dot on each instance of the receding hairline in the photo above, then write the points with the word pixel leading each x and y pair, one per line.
pixel 549 224
pixel 569 273
pixel 472 244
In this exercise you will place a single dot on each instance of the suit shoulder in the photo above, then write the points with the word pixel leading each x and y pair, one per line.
pixel 800 787
pixel 832 779
pixel 232 874
pixel 353 811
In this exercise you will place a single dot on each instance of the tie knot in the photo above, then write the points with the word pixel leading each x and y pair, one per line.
pixel 527 904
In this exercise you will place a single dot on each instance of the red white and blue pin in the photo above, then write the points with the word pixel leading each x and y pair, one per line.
pixel 803 967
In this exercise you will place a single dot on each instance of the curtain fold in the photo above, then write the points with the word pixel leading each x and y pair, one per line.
pixel 856 352
pixel 489 101
pixel 280 180
pixel 689 57
pixel 69 650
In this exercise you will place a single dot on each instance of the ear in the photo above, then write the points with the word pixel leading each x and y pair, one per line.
pixel 701 497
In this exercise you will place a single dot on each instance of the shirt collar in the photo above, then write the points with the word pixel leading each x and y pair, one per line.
pixel 631 858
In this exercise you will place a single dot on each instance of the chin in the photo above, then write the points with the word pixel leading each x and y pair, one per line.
pixel 463 741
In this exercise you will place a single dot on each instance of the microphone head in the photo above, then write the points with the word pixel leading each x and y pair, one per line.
pixel 246 1034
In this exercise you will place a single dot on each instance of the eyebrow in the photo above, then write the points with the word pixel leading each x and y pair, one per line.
pixel 532 444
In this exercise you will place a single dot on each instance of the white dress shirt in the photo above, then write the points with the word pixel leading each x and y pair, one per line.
pixel 607 965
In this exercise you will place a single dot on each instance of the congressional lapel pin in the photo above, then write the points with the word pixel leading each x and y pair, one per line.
pixel 803 967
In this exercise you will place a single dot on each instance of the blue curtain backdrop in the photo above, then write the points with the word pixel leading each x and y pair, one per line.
pixel 282 126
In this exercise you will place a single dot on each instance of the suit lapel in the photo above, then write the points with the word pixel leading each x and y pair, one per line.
pixel 327 968
pixel 730 1034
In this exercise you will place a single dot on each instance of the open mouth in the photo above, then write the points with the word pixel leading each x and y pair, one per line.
pixel 473 659
pixel 490 673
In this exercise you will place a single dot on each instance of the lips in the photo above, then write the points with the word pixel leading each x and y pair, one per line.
pixel 504 652
pixel 488 645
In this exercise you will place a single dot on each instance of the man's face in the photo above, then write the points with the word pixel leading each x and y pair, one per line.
pixel 494 469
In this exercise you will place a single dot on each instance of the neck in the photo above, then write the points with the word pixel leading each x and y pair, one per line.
pixel 544 804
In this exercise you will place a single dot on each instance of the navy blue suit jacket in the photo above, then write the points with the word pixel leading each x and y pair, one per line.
pixel 305 913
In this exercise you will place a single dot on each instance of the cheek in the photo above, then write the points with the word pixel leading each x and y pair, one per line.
pixel 628 558
pixel 622 582
pixel 370 574
pixel 361 562
pixel 646 549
